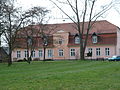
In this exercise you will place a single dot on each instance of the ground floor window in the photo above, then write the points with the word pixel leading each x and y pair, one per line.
pixel 119 51
pixel 18 54
pixel 26 53
pixel 89 50
pixel 72 52
pixel 60 52
pixel 89 54
pixel 33 53
pixel 107 51
pixel 40 53
pixel 97 51
pixel 50 53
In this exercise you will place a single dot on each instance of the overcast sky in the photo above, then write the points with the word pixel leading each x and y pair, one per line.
pixel 111 16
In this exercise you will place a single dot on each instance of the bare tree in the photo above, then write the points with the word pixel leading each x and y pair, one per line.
pixel 12 19
pixel 82 11
pixel 43 28
pixel 37 26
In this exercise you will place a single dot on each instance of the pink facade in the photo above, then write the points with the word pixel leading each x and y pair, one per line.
pixel 64 46
pixel 118 42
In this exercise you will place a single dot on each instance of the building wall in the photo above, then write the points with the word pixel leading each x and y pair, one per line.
pixel 60 35
pixel 22 54
pixel 112 51
pixel 118 42
pixel 60 42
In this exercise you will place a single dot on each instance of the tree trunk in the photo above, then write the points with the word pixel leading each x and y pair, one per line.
pixel 44 53
pixel 10 59
pixel 81 52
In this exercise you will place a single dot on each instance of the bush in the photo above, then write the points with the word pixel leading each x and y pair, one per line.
pixel 48 60
pixel 36 59
pixel 21 60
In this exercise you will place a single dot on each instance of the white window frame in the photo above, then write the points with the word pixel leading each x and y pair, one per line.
pixel 25 53
pixel 40 53
pixel 119 51
pixel 72 52
pixel 18 54
pixel 107 51
pixel 33 53
pixel 98 53
pixel 94 39
pixel 61 52
pixel 50 53
pixel 77 40
pixel 89 50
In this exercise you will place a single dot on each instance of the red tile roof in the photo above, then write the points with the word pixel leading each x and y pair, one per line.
pixel 105 30
pixel 103 39
pixel 38 43
pixel 102 26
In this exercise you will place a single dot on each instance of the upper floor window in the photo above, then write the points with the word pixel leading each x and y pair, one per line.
pixel 77 40
pixel 18 54
pixel 60 41
pixel 94 38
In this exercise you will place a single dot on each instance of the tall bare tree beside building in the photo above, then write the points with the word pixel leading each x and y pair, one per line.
pixel 33 28
pixel 12 20
pixel 82 11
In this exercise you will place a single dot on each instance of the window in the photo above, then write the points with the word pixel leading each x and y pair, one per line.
pixel 119 51
pixel 18 54
pixel 61 52
pixel 89 54
pixel 97 51
pixel 40 53
pixel 25 53
pixel 60 41
pixel 94 39
pixel 33 53
pixel 72 52
pixel 50 53
pixel 107 51
pixel 89 50
pixel 77 40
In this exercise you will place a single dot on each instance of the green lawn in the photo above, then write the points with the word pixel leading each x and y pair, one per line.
pixel 61 75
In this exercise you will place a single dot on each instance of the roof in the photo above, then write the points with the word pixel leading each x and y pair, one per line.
pixel 103 39
pixel 104 30
pixel 102 26
pixel 37 42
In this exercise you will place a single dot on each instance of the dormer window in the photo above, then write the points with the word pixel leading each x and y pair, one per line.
pixel 94 38
pixel 77 39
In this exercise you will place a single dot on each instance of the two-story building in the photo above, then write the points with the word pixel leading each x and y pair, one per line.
pixel 63 42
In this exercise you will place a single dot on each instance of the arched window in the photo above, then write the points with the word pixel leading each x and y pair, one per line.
pixel 77 40
pixel 94 38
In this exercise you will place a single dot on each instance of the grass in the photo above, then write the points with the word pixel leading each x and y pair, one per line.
pixel 61 75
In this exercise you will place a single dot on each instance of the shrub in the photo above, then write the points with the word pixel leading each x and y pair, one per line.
pixel 36 59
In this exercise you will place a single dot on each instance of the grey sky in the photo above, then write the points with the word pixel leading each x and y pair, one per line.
pixel 112 16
